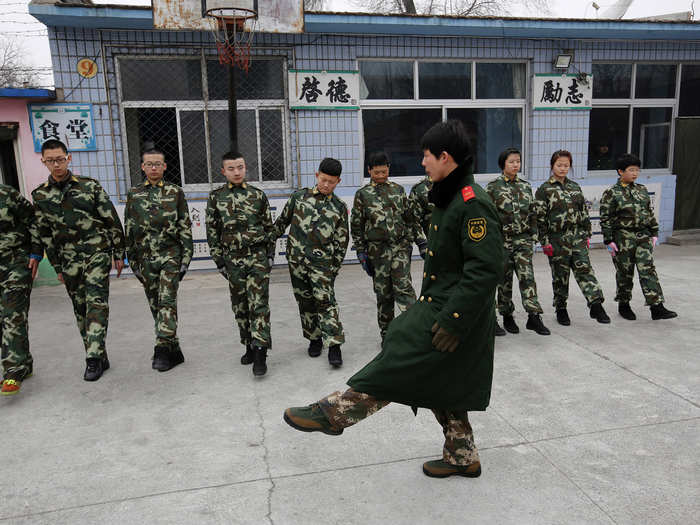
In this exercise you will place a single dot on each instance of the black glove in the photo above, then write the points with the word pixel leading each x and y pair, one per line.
pixel 183 270
pixel 443 340
pixel 422 249
pixel 366 263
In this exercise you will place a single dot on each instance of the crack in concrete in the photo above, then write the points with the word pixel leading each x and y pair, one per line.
pixel 271 489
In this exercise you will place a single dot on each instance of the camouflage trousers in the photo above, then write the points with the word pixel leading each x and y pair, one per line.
pixel 249 285
pixel 519 260
pixel 86 277
pixel 636 250
pixel 161 280
pixel 392 280
pixel 577 261
pixel 15 288
pixel 350 407
pixel 318 309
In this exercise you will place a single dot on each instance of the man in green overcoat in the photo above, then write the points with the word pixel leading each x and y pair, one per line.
pixel 438 354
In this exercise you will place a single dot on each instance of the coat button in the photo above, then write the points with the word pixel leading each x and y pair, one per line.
pixel 435 227
pixel 430 299
pixel 422 297
pixel 455 315
pixel 432 277
pixel 425 274
pixel 430 253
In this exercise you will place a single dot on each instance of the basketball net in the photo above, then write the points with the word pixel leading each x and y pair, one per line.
pixel 233 28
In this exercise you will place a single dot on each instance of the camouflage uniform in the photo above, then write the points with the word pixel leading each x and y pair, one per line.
pixel 383 226
pixel 627 219
pixel 81 232
pixel 316 246
pixel 159 243
pixel 421 206
pixel 515 205
pixel 18 239
pixel 240 236
pixel 563 222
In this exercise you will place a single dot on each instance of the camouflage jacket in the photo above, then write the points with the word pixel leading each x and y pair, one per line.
pixel 516 208
pixel 561 212
pixel 157 223
pixel 238 219
pixel 382 213
pixel 319 228
pixel 76 216
pixel 19 237
pixel 627 207
pixel 421 206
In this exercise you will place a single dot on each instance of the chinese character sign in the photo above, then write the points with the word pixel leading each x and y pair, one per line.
pixel 70 123
pixel 562 91
pixel 323 89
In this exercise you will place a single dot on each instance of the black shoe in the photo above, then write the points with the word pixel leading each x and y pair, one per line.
pixel 175 357
pixel 563 317
pixel 626 312
pixel 658 311
pixel 598 313
pixel 499 331
pixel 248 357
pixel 315 347
pixel 534 322
pixel 335 358
pixel 259 365
pixel 509 324
pixel 160 358
pixel 95 367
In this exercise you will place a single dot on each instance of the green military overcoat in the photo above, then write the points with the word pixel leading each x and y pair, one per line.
pixel 463 266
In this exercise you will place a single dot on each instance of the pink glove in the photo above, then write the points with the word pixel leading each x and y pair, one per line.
pixel 548 250
pixel 654 240
pixel 612 248
pixel 588 242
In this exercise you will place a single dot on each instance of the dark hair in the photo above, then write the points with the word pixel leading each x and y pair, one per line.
pixel 449 136
pixel 505 154
pixel 53 144
pixel 561 153
pixel 331 167
pixel 377 158
pixel 231 155
pixel 625 161
pixel 152 151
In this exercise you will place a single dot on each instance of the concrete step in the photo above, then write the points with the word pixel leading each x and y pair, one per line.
pixel 684 237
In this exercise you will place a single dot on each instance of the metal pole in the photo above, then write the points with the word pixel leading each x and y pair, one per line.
pixel 232 108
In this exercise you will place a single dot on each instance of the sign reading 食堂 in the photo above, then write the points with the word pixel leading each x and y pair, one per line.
pixel 562 91
pixel 70 123
pixel 314 89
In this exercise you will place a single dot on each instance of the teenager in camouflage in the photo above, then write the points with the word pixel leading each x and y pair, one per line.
pixel 515 204
pixel 316 246
pixel 20 253
pixel 564 232
pixel 159 245
pixel 438 354
pixel 383 228
pixel 630 232
pixel 241 242
pixel 421 206
pixel 83 238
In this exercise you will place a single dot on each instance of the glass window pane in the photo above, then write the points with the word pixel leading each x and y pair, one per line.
pixel 171 79
pixel 607 136
pixel 271 145
pixel 689 105
pixel 612 80
pixel 385 80
pixel 264 80
pixel 398 133
pixel 220 142
pixel 655 81
pixel 491 130
pixel 444 80
pixel 500 80
pixel 194 151
pixel 148 128
pixel 651 131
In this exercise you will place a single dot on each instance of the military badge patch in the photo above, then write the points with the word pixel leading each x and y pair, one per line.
pixel 476 229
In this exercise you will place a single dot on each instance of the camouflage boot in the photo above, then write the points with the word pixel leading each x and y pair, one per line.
pixel 247 358
pixel 509 324
pixel 563 317
pixel 175 355
pixel 439 468
pixel 95 367
pixel 310 419
pixel 658 311
pixel 259 365
pixel 598 313
pixel 626 312
pixel 315 347
pixel 335 358
pixel 534 322
pixel 160 359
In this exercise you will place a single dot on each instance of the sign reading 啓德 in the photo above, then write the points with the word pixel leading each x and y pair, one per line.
pixel 312 89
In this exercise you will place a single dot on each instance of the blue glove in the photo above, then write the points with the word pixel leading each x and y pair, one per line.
pixel 366 263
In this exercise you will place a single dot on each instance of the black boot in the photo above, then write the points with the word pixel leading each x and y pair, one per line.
pixel 315 347
pixel 499 331
pixel 626 312
pixel 259 365
pixel 563 317
pixel 534 322
pixel 509 324
pixel 598 313
pixel 248 357
pixel 658 311
pixel 175 356
pixel 161 361
pixel 335 358
pixel 95 367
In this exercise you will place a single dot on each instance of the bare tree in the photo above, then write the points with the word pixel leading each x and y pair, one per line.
pixel 314 5
pixel 13 72
pixel 453 7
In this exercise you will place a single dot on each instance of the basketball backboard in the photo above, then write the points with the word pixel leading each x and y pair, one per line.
pixel 274 16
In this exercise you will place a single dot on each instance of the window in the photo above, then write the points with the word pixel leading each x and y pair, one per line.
pixel 386 80
pixel 189 120
pixel 444 80
pixel 689 105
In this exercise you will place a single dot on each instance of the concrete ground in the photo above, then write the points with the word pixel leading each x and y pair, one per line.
pixel 593 424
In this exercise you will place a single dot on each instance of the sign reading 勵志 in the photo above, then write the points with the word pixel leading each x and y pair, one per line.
pixel 314 89
pixel 562 91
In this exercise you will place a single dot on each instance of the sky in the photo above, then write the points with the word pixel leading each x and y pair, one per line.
pixel 17 24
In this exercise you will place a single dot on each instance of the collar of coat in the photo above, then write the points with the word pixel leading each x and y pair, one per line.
pixel 554 180
pixel 317 192
pixel 514 179
pixel 442 192
pixel 149 183
pixel 625 184
pixel 69 178
pixel 242 185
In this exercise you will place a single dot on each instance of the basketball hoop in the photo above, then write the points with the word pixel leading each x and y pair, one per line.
pixel 233 29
